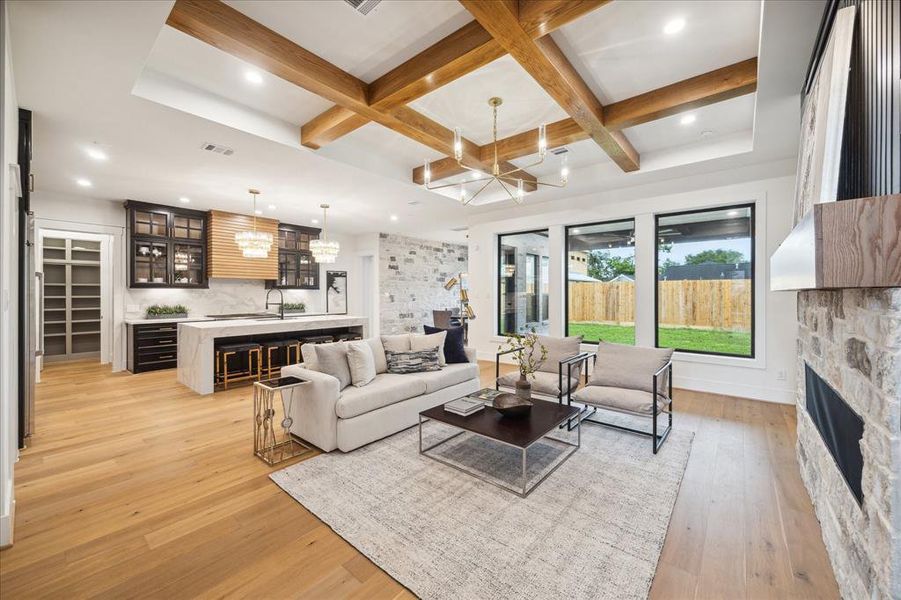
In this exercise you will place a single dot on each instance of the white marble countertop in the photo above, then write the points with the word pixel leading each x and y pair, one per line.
pixel 145 321
pixel 196 340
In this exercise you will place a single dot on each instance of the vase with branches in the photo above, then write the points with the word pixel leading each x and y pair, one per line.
pixel 530 356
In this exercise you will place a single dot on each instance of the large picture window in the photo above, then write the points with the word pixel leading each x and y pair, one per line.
pixel 600 281
pixel 705 281
pixel 523 260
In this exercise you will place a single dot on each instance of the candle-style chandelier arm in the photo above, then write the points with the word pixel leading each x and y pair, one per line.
pixel 509 193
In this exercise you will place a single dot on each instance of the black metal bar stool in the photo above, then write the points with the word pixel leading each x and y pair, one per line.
pixel 277 345
pixel 246 352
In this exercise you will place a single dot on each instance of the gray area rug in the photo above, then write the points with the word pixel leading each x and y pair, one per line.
pixel 593 529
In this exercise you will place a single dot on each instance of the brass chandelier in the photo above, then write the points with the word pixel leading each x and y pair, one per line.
pixel 512 178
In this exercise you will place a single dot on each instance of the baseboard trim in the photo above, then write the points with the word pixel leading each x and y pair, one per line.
pixel 6 526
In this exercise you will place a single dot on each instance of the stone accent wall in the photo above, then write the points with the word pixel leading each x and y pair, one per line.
pixel 852 339
pixel 412 273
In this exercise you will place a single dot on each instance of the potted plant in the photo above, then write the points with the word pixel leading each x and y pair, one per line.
pixel 294 308
pixel 530 357
pixel 165 311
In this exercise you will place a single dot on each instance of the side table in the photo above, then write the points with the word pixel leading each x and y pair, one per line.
pixel 268 446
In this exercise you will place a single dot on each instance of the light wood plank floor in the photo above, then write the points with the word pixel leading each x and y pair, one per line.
pixel 136 487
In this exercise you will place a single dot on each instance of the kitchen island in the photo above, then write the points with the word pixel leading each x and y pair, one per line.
pixel 197 340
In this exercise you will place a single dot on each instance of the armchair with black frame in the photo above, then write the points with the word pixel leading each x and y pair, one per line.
pixel 556 377
pixel 630 380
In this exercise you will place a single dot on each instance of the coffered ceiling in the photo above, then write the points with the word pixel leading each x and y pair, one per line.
pixel 618 50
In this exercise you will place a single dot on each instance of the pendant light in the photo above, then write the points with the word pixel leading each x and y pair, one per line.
pixel 254 244
pixel 323 250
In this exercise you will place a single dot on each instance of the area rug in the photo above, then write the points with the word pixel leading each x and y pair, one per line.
pixel 593 529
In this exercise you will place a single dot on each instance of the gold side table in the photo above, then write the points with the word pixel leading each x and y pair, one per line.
pixel 268 445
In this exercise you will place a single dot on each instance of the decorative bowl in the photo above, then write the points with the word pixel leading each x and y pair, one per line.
pixel 511 405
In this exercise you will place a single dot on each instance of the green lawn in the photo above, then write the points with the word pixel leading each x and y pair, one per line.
pixel 683 338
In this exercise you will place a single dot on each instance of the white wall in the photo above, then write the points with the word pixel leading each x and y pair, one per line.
pixel 768 376
pixel 75 213
pixel 9 240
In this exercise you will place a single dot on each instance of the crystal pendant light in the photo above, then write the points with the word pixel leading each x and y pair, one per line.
pixel 323 250
pixel 254 244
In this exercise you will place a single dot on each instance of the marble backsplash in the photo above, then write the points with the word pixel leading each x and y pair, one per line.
pixel 223 296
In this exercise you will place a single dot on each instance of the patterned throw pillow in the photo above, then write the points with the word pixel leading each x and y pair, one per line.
pixel 413 361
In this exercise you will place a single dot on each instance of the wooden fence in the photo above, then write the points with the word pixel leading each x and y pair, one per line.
pixel 705 303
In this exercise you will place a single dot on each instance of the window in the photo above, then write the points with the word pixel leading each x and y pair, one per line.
pixel 600 281
pixel 523 260
pixel 705 281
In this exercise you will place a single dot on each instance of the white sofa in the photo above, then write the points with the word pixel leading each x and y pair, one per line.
pixel 346 419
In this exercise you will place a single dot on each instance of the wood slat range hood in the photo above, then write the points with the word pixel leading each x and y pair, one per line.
pixel 225 257
pixel 842 244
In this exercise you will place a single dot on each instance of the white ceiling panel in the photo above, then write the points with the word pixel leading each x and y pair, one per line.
pixel 366 46
pixel 464 103
pixel 187 59
pixel 714 121
pixel 621 49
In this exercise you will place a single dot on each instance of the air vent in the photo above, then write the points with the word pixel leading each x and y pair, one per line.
pixel 364 7
pixel 560 150
pixel 464 228
pixel 217 149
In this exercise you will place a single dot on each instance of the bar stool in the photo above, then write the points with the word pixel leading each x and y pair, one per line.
pixel 246 349
pixel 277 345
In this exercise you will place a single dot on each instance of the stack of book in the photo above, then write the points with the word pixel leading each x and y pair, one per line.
pixel 464 406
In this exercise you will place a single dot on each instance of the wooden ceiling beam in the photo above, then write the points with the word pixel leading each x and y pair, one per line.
pixel 465 50
pixel 223 27
pixel 689 94
pixel 548 66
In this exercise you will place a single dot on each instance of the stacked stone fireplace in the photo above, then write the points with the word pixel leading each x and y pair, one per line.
pixel 851 338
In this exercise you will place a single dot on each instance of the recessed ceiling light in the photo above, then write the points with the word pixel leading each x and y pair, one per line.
pixel 732 213
pixel 184 200
pixel 83 182
pixel 476 174
pixel 271 207
pixel 673 27
pixel 706 133
pixel 96 154
pixel 314 221
pixel 688 119
pixel 253 77
pixel 394 217
pixel 258 212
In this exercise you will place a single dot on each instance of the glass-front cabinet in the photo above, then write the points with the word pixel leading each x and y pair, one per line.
pixel 167 246
pixel 296 268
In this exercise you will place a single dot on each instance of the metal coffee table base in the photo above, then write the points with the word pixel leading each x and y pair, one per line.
pixel 524 451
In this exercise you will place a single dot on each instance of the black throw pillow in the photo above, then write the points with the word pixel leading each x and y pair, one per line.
pixel 453 343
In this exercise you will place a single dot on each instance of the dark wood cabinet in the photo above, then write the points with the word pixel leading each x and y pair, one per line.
pixel 167 246
pixel 153 347
pixel 296 268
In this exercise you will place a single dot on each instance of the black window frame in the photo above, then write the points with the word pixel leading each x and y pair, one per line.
pixel 753 259
pixel 500 271
pixel 566 270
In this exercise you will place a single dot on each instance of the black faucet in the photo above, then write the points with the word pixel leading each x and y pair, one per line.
pixel 281 303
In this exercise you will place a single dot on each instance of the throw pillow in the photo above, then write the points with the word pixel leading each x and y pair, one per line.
pixel 427 341
pixel 454 351
pixel 378 353
pixel 361 363
pixel 331 359
pixel 413 362
pixel 631 367
pixel 396 343
pixel 308 354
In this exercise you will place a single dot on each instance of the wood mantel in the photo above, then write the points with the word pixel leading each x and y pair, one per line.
pixel 842 244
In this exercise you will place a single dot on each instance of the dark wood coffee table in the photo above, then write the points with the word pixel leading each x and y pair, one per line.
pixel 520 433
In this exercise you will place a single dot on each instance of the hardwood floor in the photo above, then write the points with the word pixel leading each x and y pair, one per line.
pixel 136 487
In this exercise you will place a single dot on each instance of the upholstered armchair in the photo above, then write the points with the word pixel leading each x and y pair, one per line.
pixel 557 376
pixel 631 380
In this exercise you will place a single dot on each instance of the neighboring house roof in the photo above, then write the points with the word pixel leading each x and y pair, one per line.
pixel 623 277
pixel 708 271
pixel 580 277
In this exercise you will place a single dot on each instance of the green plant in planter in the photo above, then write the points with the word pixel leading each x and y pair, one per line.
pixel 532 355
pixel 295 307
pixel 166 310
